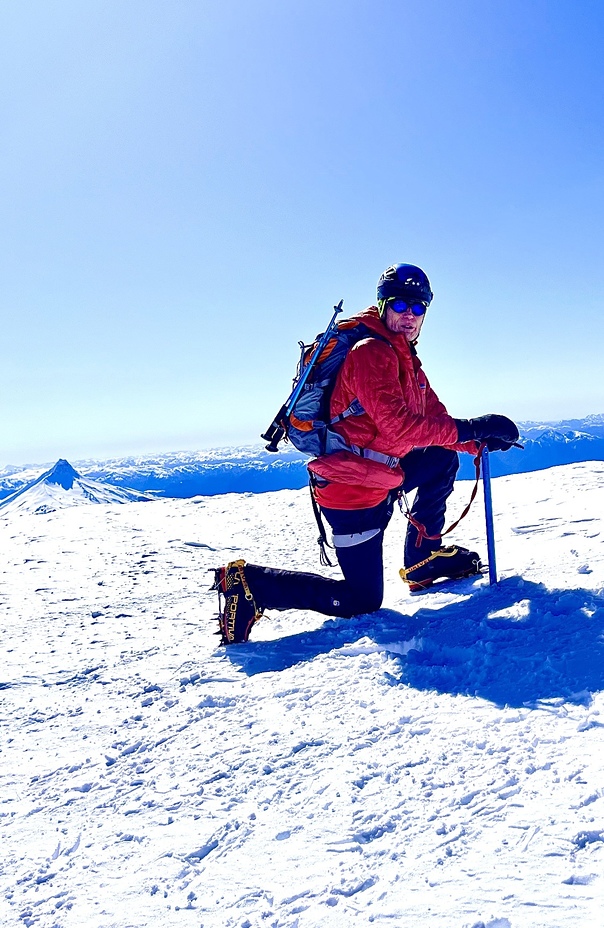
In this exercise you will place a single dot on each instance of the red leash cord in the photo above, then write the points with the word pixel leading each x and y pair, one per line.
pixel 421 529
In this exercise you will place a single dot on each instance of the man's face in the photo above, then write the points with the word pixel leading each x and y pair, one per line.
pixel 407 323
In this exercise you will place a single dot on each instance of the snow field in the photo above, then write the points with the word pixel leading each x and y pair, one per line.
pixel 438 763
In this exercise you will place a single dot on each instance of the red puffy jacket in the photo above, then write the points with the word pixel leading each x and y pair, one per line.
pixel 402 412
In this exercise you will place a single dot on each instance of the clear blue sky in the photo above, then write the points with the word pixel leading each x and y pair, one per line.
pixel 188 187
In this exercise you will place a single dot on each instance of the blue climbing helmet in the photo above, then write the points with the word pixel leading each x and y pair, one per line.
pixel 405 281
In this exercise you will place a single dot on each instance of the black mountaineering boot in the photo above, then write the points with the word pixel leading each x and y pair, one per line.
pixel 450 563
pixel 236 605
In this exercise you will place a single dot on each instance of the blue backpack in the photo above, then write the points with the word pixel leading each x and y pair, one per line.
pixel 309 425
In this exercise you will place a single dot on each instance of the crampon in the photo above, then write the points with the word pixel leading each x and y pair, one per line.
pixel 450 563
pixel 237 609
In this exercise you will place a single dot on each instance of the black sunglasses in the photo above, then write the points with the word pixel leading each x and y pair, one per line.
pixel 401 306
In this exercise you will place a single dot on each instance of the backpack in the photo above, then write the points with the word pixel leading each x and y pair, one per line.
pixel 309 425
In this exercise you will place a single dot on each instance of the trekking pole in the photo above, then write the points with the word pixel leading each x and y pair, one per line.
pixel 276 429
pixel 488 511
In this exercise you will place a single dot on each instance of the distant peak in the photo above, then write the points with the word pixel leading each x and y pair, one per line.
pixel 63 474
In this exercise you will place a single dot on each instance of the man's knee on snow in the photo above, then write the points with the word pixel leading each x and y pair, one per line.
pixel 370 603
pixel 360 603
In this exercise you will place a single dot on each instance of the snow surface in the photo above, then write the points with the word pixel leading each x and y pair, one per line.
pixel 439 763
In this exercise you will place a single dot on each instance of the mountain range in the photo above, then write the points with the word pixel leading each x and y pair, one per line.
pixel 63 486
pixel 253 470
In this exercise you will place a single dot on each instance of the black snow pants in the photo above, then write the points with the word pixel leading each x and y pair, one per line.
pixel 358 538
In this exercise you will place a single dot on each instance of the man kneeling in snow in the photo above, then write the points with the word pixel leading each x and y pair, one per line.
pixel 403 419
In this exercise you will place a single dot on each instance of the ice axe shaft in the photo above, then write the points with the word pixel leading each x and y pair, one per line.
pixel 488 511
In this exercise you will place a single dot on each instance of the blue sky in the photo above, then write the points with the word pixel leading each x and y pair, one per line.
pixel 188 187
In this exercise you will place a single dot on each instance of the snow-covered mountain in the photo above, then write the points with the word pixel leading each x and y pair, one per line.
pixel 590 425
pixel 253 470
pixel 206 473
pixel 62 486
pixel 439 763
pixel 544 446
pixel 185 474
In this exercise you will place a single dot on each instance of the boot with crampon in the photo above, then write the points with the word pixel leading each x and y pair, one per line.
pixel 238 610
pixel 450 563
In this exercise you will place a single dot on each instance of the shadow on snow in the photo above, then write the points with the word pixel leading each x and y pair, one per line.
pixel 514 644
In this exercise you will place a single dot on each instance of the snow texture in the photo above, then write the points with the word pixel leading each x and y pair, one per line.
pixel 439 763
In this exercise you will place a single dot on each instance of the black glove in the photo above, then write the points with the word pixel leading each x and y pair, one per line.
pixel 498 432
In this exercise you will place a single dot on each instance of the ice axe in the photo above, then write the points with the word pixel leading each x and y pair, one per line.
pixel 488 512
pixel 488 508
